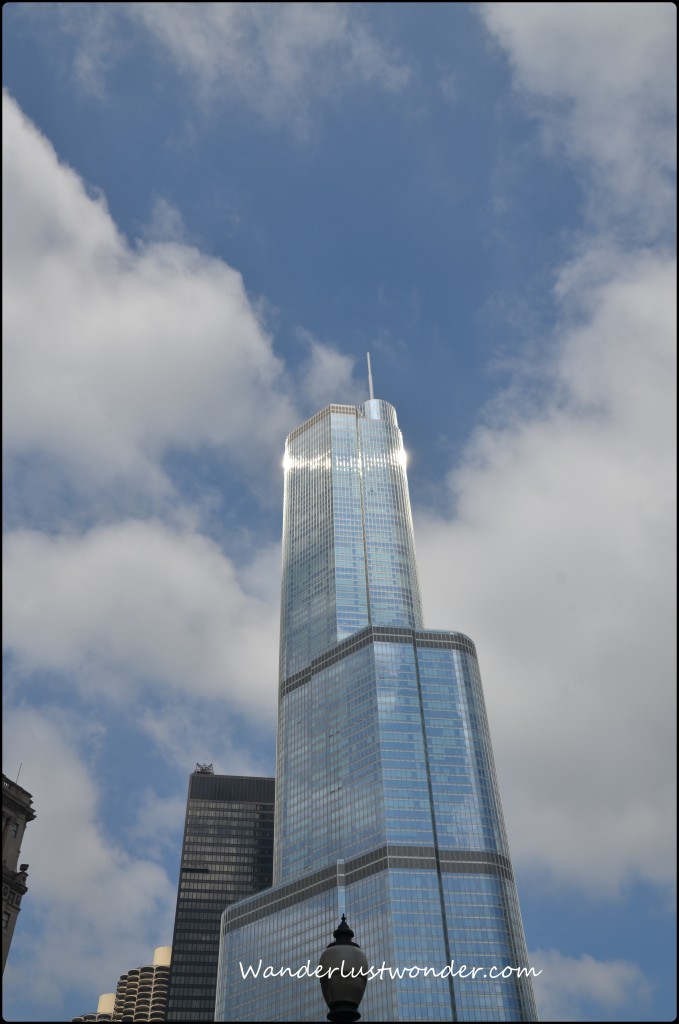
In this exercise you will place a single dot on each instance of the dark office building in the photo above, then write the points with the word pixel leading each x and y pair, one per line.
pixel 227 854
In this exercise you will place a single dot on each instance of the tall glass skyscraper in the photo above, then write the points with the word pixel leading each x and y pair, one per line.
pixel 387 805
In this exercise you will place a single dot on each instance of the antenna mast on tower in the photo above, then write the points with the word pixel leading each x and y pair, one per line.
pixel 370 377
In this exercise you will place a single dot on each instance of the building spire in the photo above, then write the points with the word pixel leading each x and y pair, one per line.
pixel 370 378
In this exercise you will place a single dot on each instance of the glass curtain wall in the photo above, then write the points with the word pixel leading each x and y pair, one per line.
pixel 387 806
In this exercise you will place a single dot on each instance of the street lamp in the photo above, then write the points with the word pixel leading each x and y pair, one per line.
pixel 343 987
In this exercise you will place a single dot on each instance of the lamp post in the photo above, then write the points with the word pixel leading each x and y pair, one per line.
pixel 343 987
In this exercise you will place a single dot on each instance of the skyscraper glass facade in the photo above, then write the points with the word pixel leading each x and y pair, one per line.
pixel 387 804
pixel 348 546
pixel 227 854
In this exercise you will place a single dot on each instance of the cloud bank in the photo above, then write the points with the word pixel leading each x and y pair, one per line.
pixel 569 985
pixel 601 82
pixel 279 61
pixel 117 353
pixel 557 550
pixel 137 603
pixel 99 909
pixel 557 559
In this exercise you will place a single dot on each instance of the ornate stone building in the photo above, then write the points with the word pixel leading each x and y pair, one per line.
pixel 16 813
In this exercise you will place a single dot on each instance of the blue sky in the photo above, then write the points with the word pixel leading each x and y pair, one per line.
pixel 212 211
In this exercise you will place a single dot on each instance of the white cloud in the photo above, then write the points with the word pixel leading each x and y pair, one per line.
pixel 557 549
pixel 186 731
pixel 327 376
pixel 117 354
pixel 166 223
pixel 159 822
pixel 603 77
pixel 261 576
pixel 557 558
pixel 138 603
pixel 278 60
pixel 100 910
pixel 448 83
pixel 570 988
